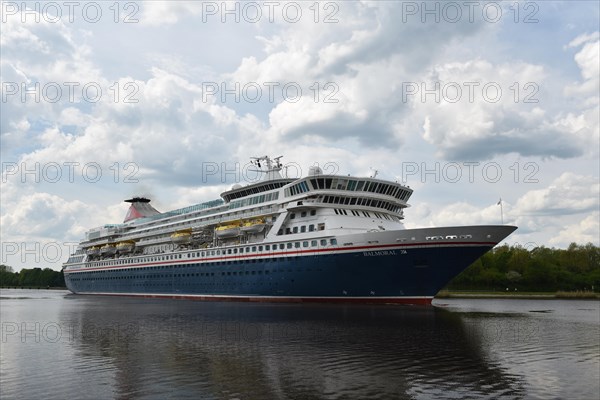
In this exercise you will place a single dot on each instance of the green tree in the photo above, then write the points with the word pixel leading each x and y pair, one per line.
pixel 538 269
pixel 7 276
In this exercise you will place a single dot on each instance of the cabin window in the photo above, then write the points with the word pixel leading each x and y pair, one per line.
pixel 323 242
pixel 289 245
pixel 295 230
pixel 281 246
pixel 303 228
pixel 333 242
pixel 311 227
pixel 297 245
pixel 305 244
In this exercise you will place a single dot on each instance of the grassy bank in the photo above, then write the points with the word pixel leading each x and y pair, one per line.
pixel 447 294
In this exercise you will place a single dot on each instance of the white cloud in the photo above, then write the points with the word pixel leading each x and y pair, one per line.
pixel 455 214
pixel 588 61
pixel 168 12
pixel 567 194
pixel 586 230
pixel 482 110
pixel 371 53
pixel 41 215
pixel 584 38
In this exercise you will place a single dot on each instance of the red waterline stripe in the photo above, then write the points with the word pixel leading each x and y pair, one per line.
pixel 425 300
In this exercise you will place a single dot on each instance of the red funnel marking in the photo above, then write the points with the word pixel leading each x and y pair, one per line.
pixel 139 208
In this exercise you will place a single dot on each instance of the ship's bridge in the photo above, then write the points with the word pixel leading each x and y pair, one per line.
pixel 260 187
pixel 352 191
pixel 334 182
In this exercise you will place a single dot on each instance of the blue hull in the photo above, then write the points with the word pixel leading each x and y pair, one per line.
pixel 412 275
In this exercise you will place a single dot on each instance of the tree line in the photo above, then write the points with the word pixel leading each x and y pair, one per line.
pixel 539 269
pixel 34 277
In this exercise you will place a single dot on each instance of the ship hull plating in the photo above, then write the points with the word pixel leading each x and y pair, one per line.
pixel 397 274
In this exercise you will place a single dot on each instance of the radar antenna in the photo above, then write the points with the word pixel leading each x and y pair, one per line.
pixel 270 167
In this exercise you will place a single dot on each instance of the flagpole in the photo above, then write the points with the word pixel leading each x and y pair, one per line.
pixel 501 211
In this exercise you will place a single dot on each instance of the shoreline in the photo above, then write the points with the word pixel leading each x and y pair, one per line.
pixel 445 294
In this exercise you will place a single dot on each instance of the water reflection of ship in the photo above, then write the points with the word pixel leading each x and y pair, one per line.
pixel 283 351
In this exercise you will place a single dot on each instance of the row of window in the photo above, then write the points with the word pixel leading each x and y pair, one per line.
pixel 302 229
pixel 99 277
pixel 357 213
pixel 361 201
pixel 300 187
pixel 387 189
pixel 257 249
pixel 255 189
pixel 303 214
pixel 254 200
pixel 195 207
pixel 354 185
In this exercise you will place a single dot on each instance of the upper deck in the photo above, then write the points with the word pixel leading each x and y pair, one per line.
pixel 268 198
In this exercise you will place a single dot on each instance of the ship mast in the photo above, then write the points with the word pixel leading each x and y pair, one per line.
pixel 270 167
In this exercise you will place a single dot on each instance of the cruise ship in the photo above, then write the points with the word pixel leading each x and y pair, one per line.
pixel 318 238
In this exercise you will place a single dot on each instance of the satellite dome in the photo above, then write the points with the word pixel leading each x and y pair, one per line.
pixel 236 186
pixel 315 170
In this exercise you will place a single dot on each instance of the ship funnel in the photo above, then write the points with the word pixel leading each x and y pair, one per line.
pixel 140 208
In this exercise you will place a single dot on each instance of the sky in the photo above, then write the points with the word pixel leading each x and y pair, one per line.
pixel 466 102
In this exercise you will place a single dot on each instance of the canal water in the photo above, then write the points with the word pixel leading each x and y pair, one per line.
pixel 57 345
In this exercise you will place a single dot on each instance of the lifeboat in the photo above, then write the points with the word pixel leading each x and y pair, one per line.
pixel 92 251
pixel 228 231
pixel 253 226
pixel 183 236
pixel 126 246
pixel 108 249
